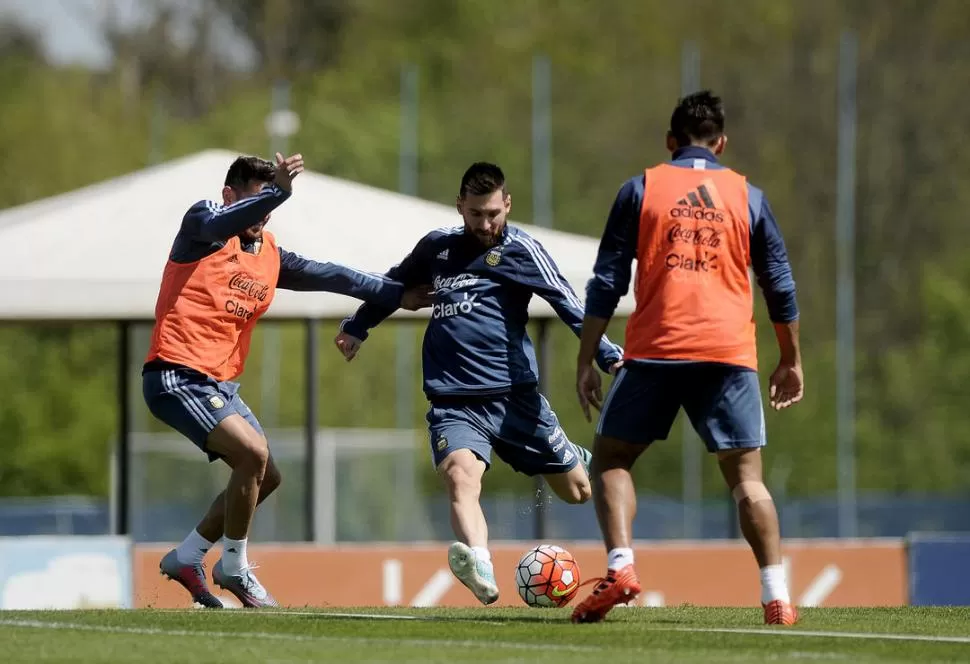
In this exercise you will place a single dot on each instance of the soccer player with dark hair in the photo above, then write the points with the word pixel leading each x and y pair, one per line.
pixel 479 364
pixel 695 228
pixel 220 278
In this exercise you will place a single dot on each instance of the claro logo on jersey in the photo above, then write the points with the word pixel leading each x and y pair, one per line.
pixel 461 307
pixel 251 289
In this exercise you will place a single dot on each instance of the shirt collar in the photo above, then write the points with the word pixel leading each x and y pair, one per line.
pixel 694 152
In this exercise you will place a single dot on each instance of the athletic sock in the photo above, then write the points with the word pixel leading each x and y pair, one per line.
pixel 234 560
pixel 774 586
pixel 619 558
pixel 193 548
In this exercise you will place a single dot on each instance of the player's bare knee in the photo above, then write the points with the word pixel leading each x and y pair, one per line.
pixel 253 456
pixel 461 482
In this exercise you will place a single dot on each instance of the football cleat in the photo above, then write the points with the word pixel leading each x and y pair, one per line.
pixel 190 577
pixel 778 612
pixel 477 575
pixel 247 589
pixel 619 587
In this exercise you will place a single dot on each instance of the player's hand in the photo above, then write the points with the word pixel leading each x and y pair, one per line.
pixel 287 169
pixel 589 389
pixel 615 367
pixel 418 297
pixel 786 386
pixel 348 345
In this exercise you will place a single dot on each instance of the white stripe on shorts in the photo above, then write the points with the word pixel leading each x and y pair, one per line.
pixel 609 398
pixel 193 407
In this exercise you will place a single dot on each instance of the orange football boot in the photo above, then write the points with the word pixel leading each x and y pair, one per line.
pixel 778 612
pixel 620 587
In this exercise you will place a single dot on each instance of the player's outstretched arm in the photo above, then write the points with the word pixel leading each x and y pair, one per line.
pixel 769 260
pixel 413 273
pixel 211 222
pixel 299 273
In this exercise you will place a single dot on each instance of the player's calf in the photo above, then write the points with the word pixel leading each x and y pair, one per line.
pixel 572 487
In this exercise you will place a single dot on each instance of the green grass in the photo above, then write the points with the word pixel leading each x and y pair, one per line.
pixel 479 635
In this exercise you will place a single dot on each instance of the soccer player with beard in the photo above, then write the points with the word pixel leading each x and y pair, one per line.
pixel 479 364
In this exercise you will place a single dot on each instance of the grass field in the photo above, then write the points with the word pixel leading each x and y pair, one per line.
pixel 684 634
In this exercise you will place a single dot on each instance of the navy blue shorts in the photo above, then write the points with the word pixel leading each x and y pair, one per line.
pixel 722 401
pixel 193 403
pixel 521 427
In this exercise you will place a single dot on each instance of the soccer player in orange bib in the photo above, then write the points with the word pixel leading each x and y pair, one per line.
pixel 695 228
pixel 222 272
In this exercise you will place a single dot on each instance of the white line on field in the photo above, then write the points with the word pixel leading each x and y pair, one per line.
pixel 277 636
pixel 264 612
pixel 333 614
pixel 509 645
pixel 827 635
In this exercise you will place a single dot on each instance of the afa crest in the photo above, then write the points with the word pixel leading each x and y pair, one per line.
pixel 493 257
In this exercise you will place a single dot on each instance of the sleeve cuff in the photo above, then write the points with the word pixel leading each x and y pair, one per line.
pixel 354 328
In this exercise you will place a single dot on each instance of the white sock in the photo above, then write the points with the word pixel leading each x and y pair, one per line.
pixel 619 558
pixel 193 549
pixel 481 553
pixel 774 585
pixel 234 559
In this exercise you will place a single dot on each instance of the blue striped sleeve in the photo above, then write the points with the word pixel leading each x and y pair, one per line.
pixel 539 272
pixel 208 221
pixel 414 270
pixel 769 260
pixel 298 273
pixel 617 249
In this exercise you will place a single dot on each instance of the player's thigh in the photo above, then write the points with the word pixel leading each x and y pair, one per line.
pixel 528 437
pixel 239 443
pixel 740 465
pixel 189 402
pixel 640 406
pixel 724 406
pixel 454 426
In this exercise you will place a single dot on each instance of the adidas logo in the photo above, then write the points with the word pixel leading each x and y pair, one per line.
pixel 234 259
pixel 443 256
pixel 702 204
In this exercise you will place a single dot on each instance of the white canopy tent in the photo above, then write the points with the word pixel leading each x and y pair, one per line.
pixel 97 253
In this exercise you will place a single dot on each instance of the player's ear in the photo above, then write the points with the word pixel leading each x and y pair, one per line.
pixel 508 202
pixel 720 144
pixel 671 142
pixel 458 205
pixel 228 196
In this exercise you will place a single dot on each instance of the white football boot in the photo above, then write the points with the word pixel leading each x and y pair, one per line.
pixel 477 575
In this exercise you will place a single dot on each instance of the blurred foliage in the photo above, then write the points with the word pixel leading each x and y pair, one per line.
pixel 614 85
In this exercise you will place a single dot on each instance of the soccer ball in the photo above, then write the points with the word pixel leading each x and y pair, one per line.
pixel 547 576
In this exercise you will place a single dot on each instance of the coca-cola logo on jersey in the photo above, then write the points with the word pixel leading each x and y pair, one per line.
pixel 244 283
pixel 704 236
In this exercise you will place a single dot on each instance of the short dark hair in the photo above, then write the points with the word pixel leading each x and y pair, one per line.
pixel 481 179
pixel 698 118
pixel 246 169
